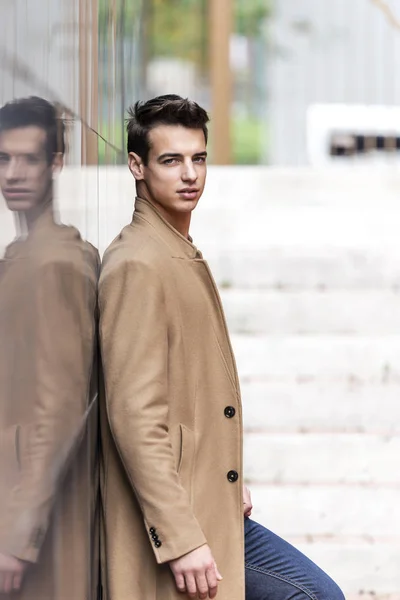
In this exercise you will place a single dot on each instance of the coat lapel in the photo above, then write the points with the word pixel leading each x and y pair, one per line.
pixel 183 248
pixel 179 246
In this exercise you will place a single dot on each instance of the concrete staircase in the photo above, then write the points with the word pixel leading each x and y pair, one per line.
pixel 308 264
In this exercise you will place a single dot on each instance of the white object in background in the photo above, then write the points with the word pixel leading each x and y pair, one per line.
pixel 345 120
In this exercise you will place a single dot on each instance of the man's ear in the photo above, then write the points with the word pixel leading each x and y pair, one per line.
pixel 58 163
pixel 136 166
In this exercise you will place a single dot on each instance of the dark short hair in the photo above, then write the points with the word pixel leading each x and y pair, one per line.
pixel 35 111
pixel 163 110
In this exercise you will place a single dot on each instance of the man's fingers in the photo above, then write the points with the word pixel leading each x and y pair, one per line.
pixel 180 582
pixel 199 571
pixel 202 586
pixel 7 582
pixel 17 580
pixel 247 503
pixel 212 581
pixel 219 576
pixel 191 588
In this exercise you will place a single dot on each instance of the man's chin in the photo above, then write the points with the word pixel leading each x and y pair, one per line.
pixel 18 205
pixel 188 205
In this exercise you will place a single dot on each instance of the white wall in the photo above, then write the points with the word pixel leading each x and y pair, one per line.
pixel 326 51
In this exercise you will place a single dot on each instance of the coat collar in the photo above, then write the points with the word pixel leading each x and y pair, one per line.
pixel 178 244
pixel 44 228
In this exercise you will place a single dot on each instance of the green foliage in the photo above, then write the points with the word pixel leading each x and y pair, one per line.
pixel 124 15
pixel 178 29
pixel 248 135
pixel 129 8
pixel 249 16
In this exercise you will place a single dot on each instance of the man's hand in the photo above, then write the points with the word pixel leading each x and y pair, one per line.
pixel 196 573
pixel 11 572
pixel 247 504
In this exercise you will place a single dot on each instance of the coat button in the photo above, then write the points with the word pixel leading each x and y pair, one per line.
pixel 232 476
pixel 158 544
pixel 229 412
pixel 154 537
pixel 152 530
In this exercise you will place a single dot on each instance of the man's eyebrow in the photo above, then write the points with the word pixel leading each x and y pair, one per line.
pixel 177 155
pixel 169 155
pixel 24 154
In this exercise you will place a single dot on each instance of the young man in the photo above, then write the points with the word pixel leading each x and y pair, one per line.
pixel 175 512
pixel 48 282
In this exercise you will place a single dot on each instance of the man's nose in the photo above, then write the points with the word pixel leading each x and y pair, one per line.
pixel 15 170
pixel 189 172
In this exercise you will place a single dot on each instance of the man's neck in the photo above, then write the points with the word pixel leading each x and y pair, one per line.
pixel 179 221
pixel 27 220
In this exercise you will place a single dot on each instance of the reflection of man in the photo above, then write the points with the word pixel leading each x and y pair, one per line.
pixel 48 284
pixel 172 435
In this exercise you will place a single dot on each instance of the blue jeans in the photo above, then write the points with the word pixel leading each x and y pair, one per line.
pixel 275 570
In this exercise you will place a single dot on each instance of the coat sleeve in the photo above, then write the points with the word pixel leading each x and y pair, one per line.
pixel 134 347
pixel 60 335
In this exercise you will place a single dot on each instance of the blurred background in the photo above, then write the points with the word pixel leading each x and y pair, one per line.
pixel 300 223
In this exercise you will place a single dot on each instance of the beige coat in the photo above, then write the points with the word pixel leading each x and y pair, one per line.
pixel 48 472
pixel 168 446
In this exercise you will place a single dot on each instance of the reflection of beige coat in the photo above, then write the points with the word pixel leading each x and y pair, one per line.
pixel 168 445
pixel 47 436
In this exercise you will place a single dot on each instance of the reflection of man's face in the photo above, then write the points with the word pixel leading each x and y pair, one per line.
pixel 25 174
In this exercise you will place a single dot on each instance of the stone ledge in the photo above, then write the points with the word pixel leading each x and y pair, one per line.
pixel 318 358
pixel 323 459
pixel 332 514
pixel 332 312
pixel 321 407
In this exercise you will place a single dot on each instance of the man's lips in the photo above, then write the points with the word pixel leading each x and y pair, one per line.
pixel 16 192
pixel 189 192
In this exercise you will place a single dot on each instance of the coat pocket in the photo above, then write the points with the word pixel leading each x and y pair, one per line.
pixel 186 458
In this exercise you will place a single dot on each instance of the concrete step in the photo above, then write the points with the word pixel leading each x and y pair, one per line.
pixel 342 312
pixel 323 358
pixel 371 595
pixel 323 458
pixel 321 406
pixel 363 570
pixel 346 531
pixel 247 188
pixel 305 268
pixel 274 224
pixel 328 512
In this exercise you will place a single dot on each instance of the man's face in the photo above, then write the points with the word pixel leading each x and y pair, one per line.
pixel 176 170
pixel 25 174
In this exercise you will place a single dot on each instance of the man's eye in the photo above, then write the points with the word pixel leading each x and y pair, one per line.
pixel 200 159
pixel 3 158
pixel 32 159
pixel 169 161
